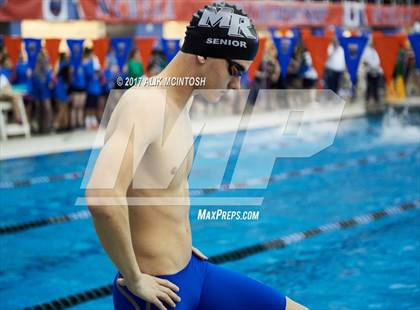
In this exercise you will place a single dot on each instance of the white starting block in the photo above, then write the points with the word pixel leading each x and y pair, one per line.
pixel 13 129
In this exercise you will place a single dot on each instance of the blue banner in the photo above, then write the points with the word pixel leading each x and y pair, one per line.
pixel 353 48
pixel 285 47
pixel 32 47
pixel 76 51
pixel 122 48
pixel 170 47
pixel 415 45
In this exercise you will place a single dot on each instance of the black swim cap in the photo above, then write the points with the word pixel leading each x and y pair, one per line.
pixel 221 30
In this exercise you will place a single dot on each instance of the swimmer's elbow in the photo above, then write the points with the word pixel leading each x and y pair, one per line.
pixel 92 201
pixel 100 204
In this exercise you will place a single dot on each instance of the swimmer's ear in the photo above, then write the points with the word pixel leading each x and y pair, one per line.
pixel 201 59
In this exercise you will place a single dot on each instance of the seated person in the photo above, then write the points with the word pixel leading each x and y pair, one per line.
pixel 7 94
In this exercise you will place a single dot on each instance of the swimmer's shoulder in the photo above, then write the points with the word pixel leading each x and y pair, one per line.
pixel 140 107
pixel 143 100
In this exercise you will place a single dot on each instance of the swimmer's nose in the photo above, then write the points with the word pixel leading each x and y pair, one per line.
pixel 235 83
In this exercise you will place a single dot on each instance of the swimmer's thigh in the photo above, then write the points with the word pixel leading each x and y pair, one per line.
pixel 224 289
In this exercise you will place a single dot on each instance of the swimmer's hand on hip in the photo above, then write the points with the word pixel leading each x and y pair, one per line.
pixel 153 290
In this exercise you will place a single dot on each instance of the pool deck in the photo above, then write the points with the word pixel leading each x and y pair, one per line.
pixel 410 103
pixel 83 139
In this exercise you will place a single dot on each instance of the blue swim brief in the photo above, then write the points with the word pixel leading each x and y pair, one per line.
pixel 205 286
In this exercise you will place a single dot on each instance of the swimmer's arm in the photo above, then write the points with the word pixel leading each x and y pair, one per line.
pixel 115 165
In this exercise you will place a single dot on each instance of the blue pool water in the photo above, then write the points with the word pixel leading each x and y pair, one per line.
pixel 372 266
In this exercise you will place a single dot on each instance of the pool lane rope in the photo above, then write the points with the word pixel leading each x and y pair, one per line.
pixel 41 180
pixel 14 228
pixel 371 159
pixel 76 299
pixel 282 242
pixel 281 176
pixel 278 243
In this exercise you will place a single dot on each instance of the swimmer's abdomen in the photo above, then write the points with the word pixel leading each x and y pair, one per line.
pixel 161 237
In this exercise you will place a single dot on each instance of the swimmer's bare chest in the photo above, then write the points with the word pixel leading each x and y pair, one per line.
pixel 164 168
pixel 160 227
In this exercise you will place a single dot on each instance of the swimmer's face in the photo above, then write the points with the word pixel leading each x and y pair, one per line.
pixel 221 75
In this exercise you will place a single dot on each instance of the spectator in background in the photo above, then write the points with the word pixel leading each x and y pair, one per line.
pixel 6 67
pixel 108 98
pixel 135 66
pixel 412 75
pixel 273 75
pixel 372 64
pixel 310 77
pixel 259 82
pixel 335 66
pixel 111 59
pixel 109 76
pixel 261 76
pixel 94 89
pixel 7 94
pixel 309 74
pixel 292 79
pixel 78 93
pixel 22 71
pixel 273 67
pixel 157 62
pixel 63 61
pixel 41 89
pixel 266 77
pixel 61 95
pixel 153 69
pixel 402 70
pixel 403 62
